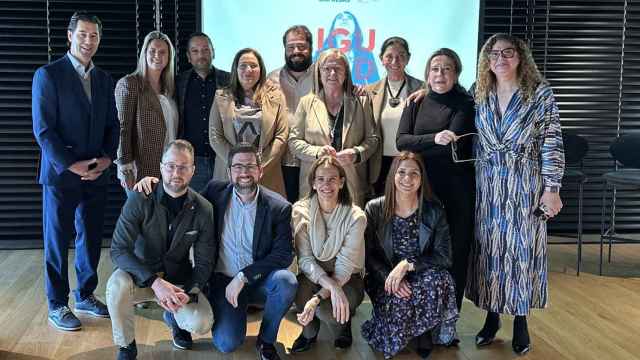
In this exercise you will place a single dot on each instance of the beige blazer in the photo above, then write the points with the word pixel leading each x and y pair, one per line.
pixel 142 126
pixel 310 132
pixel 273 136
pixel 377 93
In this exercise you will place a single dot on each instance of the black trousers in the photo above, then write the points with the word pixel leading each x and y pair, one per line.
pixel 456 191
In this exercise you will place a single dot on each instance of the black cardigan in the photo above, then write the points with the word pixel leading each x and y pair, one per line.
pixel 434 241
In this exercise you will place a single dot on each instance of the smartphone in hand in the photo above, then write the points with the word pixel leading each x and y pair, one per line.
pixel 92 166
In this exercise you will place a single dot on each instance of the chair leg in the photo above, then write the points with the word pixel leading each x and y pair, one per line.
pixel 604 197
pixel 580 193
pixel 612 221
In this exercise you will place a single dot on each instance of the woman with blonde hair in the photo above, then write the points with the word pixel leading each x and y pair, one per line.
pixel 329 238
pixel 520 162
pixel 248 111
pixel 147 111
pixel 331 121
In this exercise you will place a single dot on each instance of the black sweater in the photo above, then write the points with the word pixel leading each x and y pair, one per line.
pixel 420 122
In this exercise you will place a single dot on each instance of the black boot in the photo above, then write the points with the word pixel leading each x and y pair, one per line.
pixel 425 345
pixel 302 344
pixel 489 330
pixel 344 339
pixel 130 352
pixel 520 343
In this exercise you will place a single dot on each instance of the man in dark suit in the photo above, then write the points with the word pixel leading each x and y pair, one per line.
pixel 255 249
pixel 150 250
pixel 195 89
pixel 76 125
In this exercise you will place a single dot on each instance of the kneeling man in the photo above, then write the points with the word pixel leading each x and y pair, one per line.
pixel 255 240
pixel 150 250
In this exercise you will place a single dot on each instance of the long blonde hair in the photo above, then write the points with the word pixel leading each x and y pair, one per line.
pixel 167 82
pixel 529 76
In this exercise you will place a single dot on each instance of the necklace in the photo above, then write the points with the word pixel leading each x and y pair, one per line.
pixel 394 100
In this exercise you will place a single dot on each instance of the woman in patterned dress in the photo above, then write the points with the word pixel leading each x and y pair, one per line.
pixel 407 254
pixel 519 168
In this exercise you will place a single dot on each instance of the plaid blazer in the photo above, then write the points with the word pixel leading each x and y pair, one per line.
pixel 142 126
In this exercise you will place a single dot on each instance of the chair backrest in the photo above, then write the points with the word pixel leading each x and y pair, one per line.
pixel 575 148
pixel 626 150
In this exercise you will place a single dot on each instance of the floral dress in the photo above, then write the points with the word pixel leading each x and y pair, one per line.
pixel 431 306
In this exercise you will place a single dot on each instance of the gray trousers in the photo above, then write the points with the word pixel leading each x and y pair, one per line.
pixel 353 289
pixel 122 294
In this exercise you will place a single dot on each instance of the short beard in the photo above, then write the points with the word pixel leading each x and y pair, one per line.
pixel 175 189
pixel 298 66
pixel 245 189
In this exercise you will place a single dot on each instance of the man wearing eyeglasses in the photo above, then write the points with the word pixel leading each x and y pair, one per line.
pixel 255 237
pixel 150 250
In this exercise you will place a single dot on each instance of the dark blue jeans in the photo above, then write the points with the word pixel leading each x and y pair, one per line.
pixel 276 292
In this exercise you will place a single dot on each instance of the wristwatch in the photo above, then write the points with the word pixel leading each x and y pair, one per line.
pixel 552 189
pixel 318 296
pixel 242 278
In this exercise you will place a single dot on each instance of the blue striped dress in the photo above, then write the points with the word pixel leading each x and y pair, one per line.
pixel 518 154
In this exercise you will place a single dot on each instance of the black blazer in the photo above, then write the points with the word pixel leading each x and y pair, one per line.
pixel 222 80
pixel 272 233
pixel 139 244
pixel 434 241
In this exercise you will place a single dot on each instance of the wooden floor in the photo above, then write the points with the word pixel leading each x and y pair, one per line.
pixel 589 317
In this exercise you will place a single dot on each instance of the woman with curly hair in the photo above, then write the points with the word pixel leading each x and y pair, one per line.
pixel 519 167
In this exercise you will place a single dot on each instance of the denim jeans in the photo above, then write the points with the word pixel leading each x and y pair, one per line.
pixel 203 173
pixel 276 292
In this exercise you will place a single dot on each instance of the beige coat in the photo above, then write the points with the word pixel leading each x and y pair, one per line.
pixel 142 126
pixel 311 132
pixel 377 93
pixel 273 136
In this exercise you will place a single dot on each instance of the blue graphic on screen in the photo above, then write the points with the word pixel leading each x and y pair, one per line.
pixel 345 34
pixel 357 27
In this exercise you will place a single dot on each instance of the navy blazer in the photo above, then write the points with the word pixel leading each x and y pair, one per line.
pixel 67 126
pixel 272 235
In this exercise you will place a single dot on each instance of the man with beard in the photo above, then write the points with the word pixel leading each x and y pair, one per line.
pixel 255 240
pixel 195 90
pixel 295 79
pixel 150 250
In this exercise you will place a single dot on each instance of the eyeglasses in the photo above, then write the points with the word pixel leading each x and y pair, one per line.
pixel 454 149
pixel 242 167
pixel 507 53
pixel 171 167
pixel 329 69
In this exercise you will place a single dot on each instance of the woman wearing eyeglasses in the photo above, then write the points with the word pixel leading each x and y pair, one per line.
pixel 388 97
pixel 428 127
pixel 147 112
pixel 248 111
pixel 331 121
pixel 407 256
pixel 329 235
pixel 520 166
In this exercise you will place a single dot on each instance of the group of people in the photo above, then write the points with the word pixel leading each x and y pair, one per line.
pixel 299 188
